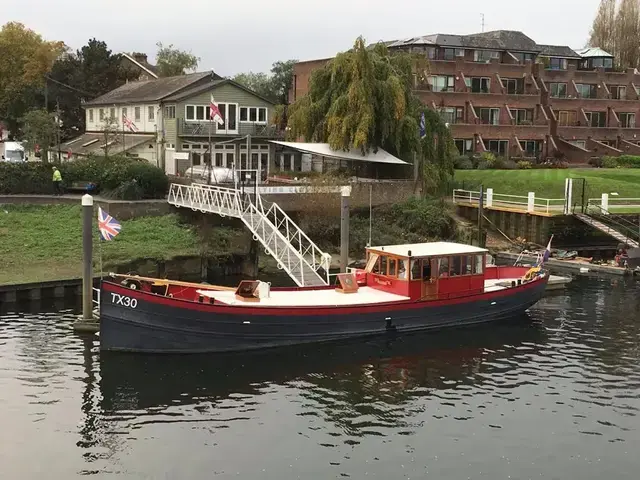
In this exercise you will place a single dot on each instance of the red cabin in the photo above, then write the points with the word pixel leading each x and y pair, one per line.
pixel 427 271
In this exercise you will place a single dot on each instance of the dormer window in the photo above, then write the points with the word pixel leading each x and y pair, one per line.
pixel 557 63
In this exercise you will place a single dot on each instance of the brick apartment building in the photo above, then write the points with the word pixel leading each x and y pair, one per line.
pixel 502 92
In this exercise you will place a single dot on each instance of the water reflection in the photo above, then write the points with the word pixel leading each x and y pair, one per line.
pixel 365 376
pixel 555 394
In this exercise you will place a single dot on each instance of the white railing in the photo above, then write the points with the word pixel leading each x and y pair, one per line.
pixel 278 233
pixel 524 203
pixel 611 203
pixel 96 297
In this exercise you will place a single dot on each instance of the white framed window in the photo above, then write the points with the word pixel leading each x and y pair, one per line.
pixel 136 113
pixel 112 113
pixel 253 114
pixel 196 113
pixel 91 114
pixel 101 114
pixel 124 112
pixel 229 113
pixel 151 113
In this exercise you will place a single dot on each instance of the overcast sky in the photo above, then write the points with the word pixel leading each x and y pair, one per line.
pixel 232 37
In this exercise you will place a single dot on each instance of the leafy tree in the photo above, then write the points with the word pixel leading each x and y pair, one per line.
pixel 40 128
pixel 275 85
pixel 25 58
pixel 88 73
pixel 171 61
pixel 258 82
pixel 616 29
pixel 363 99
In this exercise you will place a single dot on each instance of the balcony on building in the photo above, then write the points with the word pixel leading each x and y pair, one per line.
pixel 239 129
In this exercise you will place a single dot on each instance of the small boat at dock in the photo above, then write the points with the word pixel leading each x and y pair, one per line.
pixel 402 289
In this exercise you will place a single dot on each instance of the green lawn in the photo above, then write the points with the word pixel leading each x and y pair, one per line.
pixel 39 243
pixel 550 183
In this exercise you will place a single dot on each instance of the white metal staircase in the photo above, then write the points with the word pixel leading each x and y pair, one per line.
pixel 279 235
pixel 607 229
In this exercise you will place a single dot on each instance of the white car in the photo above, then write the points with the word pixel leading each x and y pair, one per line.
pixel 217 174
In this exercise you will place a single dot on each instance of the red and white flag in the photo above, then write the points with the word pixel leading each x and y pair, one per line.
pixel 129 124
pixel 214 112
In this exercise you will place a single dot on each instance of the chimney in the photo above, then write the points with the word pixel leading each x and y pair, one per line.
pixel 140 57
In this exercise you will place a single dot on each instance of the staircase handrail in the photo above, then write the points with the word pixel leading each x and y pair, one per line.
pixel 243 204
pixel 324 261
pixel 618 221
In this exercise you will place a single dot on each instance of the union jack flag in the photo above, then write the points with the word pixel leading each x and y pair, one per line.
pixel 129 124
pixel 109 226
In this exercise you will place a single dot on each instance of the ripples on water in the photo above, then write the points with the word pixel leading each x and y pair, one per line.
pixel 553 395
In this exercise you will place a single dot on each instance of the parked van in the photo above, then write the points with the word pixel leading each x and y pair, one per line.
pixel 13 152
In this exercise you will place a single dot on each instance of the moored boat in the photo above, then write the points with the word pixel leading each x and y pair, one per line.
pixel 403 288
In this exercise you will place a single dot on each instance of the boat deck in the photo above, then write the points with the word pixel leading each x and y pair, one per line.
pixel 309 298
pixel 329 297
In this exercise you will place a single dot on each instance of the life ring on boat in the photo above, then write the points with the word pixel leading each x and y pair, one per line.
pixel 531 274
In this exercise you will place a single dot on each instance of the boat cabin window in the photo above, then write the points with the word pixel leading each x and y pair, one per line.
pixel 458 265
pixel 443 267
pixel 403 267
pixel 383 265
pixel 392 267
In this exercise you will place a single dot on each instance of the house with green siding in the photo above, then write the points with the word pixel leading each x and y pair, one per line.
pixel 167 122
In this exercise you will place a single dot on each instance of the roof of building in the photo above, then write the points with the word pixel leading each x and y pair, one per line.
pixel 93 142
pixel 207 86
pixel 593 52
pixel 150 90
pixel 494 40
pixel 558 51
pixel 324 150
pixel 430 249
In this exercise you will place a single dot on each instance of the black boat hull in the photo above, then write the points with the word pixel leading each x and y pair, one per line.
pixel 137 321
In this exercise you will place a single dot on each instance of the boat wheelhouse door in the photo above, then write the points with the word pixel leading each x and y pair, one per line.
pixel 429 276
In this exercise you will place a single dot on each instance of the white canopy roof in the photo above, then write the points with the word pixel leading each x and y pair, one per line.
pixel 323 150
pixel 430 249
pixel 593 52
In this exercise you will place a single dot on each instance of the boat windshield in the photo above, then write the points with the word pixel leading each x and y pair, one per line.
pixel 373 259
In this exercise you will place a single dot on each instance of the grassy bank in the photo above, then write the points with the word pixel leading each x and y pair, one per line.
pixel 39 243
pixel 550 183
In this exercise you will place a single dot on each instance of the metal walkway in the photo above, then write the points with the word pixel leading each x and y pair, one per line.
pixel 279 235
pixel 621 237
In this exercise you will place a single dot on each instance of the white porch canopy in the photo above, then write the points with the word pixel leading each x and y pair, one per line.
pixel 323 150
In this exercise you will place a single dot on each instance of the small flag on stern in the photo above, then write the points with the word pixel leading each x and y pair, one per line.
pixel 109 226
pixel 546 254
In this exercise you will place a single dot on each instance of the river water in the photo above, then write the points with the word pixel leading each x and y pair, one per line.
pixel 555 395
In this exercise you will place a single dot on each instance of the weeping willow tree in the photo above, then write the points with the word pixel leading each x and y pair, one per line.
pixel 363 99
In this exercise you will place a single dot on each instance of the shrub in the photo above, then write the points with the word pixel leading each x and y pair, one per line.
pixel 25 178
pixel 463 162
pixel 487 161
pixel 595 162
pixel 507 164
pixel 524 165
pixel 115 175
pixel 609 162
pixel 629 161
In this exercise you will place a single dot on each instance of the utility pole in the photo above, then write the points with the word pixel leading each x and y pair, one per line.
pixel 58 133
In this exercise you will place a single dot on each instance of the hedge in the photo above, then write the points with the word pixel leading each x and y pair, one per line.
pixel 117 177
